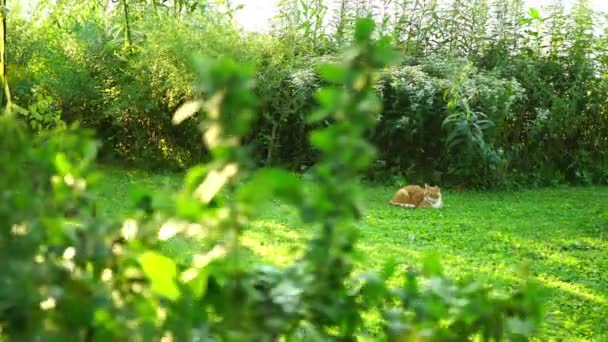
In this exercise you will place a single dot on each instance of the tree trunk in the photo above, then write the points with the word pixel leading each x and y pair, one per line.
pixel 125 7
pixel 6 95
pixel 273 137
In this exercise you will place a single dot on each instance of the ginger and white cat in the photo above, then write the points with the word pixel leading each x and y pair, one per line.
pixel 414 196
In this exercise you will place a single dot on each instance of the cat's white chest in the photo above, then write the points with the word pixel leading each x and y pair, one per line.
pixel 438 204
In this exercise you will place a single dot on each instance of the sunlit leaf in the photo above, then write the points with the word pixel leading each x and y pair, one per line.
pixel 162 272
pixel 194 177
pixel 534 13
pixel 90 150
pixel 214 182
pixel 196 279
pixel 186 110
pixel 62 163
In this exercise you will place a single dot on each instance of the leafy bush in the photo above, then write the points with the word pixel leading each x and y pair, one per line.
pixel 438 120
pixel 125 92
pixel 538 78
pixel 281 135
pixel 555 133
pixel 67 273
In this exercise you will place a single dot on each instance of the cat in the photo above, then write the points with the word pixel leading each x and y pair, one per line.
pixel 414 196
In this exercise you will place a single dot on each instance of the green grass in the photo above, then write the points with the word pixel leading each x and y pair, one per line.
pixel 563 232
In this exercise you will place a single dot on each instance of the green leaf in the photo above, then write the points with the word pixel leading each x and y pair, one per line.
pixel 137 192
pixel 194 177
pixel 90 150
pixel 198 285
pixel 317 116
pixel 431 265
pixel 363 29
pixel 329 98
pixel 62 163
pixel 188 207
pixel 534 13
pixel 384 53
pixel 161 271
pixel 388 268
pixel 323 139
pixel 332 72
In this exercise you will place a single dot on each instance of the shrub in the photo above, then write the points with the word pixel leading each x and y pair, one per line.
pixel 420 98
pixel 538 80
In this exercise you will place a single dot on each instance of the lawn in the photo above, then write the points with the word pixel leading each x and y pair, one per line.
pixel 563 232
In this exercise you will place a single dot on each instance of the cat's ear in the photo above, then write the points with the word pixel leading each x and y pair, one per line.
pixel 426 186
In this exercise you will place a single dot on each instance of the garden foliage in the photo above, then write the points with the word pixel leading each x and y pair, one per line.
pixel 67 273
pixel 486 93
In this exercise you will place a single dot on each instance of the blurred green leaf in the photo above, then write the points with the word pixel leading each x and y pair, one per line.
pixel 323 139
pixel 318 115
pixel 62 163
pixel 162 272
pixel 534 13
pixel 384 53
pixel 431 265
pixel 194 177
pixel 198 285
pixel 333 72
pixel 363 29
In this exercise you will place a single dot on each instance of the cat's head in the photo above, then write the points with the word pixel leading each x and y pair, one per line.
pixel 432 194
pixel 432 191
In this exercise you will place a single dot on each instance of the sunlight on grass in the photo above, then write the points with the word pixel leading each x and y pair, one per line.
pixel 573 289
pixel 274 242
pixel 482 234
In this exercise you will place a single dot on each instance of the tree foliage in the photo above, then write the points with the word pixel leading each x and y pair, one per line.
pixel 542 84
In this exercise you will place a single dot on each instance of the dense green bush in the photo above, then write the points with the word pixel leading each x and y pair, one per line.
pixel 555 133
pixel 69 274
pixel 281 134
pixel 519 100
pixel 127 92
pixel 428 125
